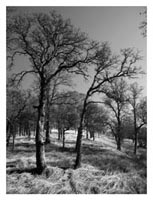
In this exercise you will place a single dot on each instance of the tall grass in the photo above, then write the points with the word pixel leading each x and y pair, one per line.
pixel 104 170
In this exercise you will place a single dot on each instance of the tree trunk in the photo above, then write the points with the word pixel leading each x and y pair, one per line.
pixel 93 136
pixel 13 143
pixel 119 132
pixel 90 134
pixel 59 136
pixel 8 140
pixel 135 131
pixel 20 129
pixel 40 135
pixel 8 134
pixel 87 135
pixel 59 133
pixel 47 118
pixel 63 131
pixel 119 143
pixel 78 148
pixel 77 140
pixel 35 129
pixel 135 142
pixel 79 136
pixel 29 133
pixel 47 132
pixel 13 135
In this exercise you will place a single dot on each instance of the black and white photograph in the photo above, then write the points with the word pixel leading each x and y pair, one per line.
pixel 76 100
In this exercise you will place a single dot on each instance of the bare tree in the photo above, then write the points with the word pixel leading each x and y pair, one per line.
pixel 116 100
pixel 107 69
pixel 52 45
pixel 16 104
pixel 62 79
pixel 66 117
pixel 73 100
pixel 143 24
pixel 138 109
pixel 95 120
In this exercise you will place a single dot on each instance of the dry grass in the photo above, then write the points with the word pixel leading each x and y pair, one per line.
pixel 104 169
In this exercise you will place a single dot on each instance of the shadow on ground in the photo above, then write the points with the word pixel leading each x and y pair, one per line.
pixel 104 169
pixel 92 154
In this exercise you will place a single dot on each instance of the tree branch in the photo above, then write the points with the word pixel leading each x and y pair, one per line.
pixel 19 76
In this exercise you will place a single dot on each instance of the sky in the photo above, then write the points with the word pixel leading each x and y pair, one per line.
pixel 117 25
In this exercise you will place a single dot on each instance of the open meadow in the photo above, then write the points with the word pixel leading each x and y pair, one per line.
pixel 104 169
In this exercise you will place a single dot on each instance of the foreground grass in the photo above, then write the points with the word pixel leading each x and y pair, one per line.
pixel 104 169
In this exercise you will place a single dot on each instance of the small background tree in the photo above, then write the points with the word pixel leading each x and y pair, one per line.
pixel 138 109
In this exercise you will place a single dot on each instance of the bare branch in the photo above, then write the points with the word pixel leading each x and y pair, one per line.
pixel 19 76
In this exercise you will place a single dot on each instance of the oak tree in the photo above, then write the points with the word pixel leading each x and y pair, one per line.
pixel 139 110
pixel 51 45
pixel 116 100
pixel 107 68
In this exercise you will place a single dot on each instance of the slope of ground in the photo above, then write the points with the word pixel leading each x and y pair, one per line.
pixel 104 169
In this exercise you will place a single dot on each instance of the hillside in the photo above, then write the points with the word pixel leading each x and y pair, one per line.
pixel 104 169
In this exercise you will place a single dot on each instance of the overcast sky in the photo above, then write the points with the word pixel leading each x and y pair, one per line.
pixel 117 25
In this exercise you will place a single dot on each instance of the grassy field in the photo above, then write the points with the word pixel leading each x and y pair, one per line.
pixel 104 169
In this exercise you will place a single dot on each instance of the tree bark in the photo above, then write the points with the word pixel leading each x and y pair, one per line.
pixel 135 143
pixel 29 133
pixel 87 135
pixel 93 136
pixel 20 129
pixel 135 130
pixel 40 136
pixel 78 148
pixel 76 145
pixel 59 133
pixel 119 143
pixel 13 135
pixel 47 132
pixel 118 129
pixel 8 140
pixel 79 138
pixel 13 143
pixel 47 117
pixel 63 131
pixel 8 134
